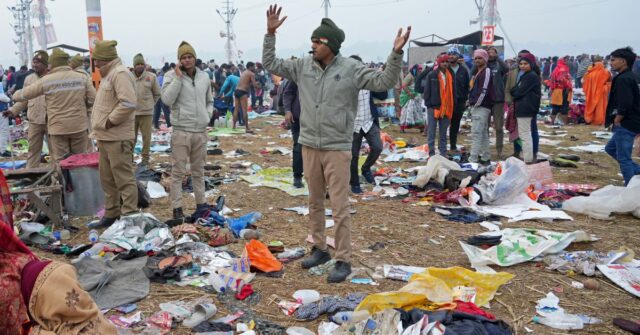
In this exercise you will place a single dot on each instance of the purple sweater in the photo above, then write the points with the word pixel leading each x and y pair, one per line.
pixel 475 95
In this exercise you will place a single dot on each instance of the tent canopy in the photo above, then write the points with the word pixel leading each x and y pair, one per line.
pixel 68 47
pixel 474 38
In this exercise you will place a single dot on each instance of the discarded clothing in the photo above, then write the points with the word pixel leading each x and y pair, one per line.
pixel 464 215
pixel 329 305
pixel 113 283
pixel 213 327
pixel 437 168
pixel 471 308
pixel 157 275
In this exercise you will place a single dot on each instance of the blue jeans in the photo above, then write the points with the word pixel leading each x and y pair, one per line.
pixel 160 107
pixel 620 147
pixel 432 124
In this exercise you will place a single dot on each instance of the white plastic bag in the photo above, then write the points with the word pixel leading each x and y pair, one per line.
pixel 504 188
pixel 607 200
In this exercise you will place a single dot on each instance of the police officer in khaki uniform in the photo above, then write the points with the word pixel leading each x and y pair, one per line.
pixel 112 121
pixel 36 111
pixel 148 92
pixel 68 96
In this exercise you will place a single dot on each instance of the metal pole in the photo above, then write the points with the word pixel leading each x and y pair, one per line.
pixel 29 28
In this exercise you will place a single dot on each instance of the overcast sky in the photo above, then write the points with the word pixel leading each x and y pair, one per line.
pixel 155 28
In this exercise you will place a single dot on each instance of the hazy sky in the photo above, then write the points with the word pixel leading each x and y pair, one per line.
pixel 155 27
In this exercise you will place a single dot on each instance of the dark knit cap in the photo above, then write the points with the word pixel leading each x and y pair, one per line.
pixel 529 58
pixel 329 34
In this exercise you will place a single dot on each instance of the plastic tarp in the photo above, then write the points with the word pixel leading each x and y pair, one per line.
pixel 502 189
pixel 139 231
pixel 520 245
pixel 600 204
pixel 432 290
pixel 276 177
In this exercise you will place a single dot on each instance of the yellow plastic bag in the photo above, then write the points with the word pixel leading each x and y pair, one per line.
pixel 432 290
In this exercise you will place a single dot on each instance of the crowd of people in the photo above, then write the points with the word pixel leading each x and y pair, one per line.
pixel 330 102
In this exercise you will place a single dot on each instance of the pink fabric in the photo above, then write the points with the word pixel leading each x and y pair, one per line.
pixel 81 160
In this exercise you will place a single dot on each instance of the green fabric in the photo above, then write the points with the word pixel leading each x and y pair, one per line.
pixel 185 48
pixel 138 59
pixel 58 58
pixel 76 61
pixel 334 35
pixel 105 50
pixel 276 177
pixel 404 97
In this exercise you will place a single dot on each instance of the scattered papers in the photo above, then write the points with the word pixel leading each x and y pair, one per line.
pixel 593 148
pixel 276 177
pixel 156 190
pixel 623 275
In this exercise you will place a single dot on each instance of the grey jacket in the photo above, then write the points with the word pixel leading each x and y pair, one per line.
pixel 191 100
pixel 329 97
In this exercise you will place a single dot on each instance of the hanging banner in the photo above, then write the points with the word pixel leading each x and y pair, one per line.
pixel 488 34
pixel 50 34
pixel 94 29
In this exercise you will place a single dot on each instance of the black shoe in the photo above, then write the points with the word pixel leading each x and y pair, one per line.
pixel 105 222
pixel 220 204
pixel 297 182
pixel 356 189
pixel 316 258
pixel 178 214
pixel 368 176
pixel 339 273
pixel 5 154
pixel 215 151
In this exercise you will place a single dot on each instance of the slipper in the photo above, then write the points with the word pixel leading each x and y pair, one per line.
pixel 176 311
pixel 175 261
pixel 570 157
pixel 628 325
pixel 35 238
pixel 202 312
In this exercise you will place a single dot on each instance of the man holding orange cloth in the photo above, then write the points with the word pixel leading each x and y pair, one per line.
pixel 439 96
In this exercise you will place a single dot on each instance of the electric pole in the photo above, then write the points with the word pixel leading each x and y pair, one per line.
pixel 326 4
pixel 228 14
pixel 22 27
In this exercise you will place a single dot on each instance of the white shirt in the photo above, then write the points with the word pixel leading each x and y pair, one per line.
pixel 364 119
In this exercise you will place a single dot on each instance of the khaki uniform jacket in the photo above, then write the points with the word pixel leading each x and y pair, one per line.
pixel 148 92
pixel 116 102
pixel 37 108
pixel 329 96
pixel 68 96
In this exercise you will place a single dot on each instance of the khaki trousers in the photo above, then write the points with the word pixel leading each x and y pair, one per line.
pixel 144 124
pixel 35 137
pixel 117 176
pixel 324 168
pixel 191 147
pixel 69 144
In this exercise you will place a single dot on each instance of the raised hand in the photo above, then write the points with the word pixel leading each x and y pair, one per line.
pixel 273 19
pixel 401 40
pixel 177 69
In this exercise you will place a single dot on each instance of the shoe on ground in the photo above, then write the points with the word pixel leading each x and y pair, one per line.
pixel 178 214
pixel 105 222
pixel 5 154
pixel 339 273
pixel 571 157
pixel 485 163
pixel 368 176
pixel 297 182
pixel 317 257
pixel 356 189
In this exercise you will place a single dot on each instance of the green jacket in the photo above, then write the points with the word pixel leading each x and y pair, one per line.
pixel 329 97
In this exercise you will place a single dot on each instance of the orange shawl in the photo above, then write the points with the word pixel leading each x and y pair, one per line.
pixel 446 96
pixel 596 87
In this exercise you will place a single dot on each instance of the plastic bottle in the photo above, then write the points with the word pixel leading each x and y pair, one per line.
pixel 217 283
pixel 349 316
pixel 95 250
pixel 564 321
pixel 61 235
pixel 93 236
pixel 306 296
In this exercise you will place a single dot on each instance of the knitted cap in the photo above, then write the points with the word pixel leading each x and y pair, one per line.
pixel 105 50
pixel 186 48
pixel 529 58
pixel 329 34
pixel 42 56
pixel 58 58
pixel 138 59
pixel 76 61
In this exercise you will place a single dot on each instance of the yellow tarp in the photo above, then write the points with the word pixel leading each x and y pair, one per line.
pixel 432 290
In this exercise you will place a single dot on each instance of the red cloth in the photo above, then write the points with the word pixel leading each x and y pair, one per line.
pixel 560 78
pixel 91 159
pixel 244 292
pixel 471 308
pixel 14 255
pixel 6 203
pixel 30 273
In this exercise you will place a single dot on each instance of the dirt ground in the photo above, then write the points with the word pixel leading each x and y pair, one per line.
pixel 400 226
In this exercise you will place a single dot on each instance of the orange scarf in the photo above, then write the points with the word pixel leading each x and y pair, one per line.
pixel 446 97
